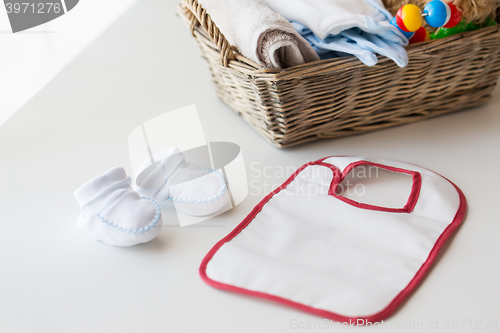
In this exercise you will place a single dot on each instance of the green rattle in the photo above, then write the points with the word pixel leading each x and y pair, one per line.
pixel 461 27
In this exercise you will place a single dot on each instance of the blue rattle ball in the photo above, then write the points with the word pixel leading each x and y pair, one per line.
pixel 408 35
pixel 437 13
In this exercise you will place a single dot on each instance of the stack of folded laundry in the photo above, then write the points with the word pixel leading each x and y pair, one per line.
pixel 286 33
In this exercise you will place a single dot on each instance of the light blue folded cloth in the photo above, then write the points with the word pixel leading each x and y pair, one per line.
pixel 364 45
pixel 339 27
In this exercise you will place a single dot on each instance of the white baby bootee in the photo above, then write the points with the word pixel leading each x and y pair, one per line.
pixel 192 189
pixel 113 213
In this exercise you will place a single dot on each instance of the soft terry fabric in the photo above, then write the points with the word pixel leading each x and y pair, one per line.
pixel 194 190
pixel 307 247
pixel 113 213
pixel 259 33
pixel 339 27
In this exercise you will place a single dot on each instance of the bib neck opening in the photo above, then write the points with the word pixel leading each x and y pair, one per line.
pixel 351 183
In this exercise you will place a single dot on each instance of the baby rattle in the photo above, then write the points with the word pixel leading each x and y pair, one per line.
pixel 437 13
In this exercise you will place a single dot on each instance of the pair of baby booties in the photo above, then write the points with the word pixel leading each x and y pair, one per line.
pixel 113 212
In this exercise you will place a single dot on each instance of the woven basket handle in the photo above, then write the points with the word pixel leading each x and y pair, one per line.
pixel 199 16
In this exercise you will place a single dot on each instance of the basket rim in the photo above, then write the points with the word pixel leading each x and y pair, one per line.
pixel 246 66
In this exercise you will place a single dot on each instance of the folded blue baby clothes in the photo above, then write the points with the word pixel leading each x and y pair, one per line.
pixel 346 27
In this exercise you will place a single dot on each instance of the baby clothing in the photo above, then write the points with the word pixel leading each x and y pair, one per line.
pixel 339 27
pixel 193 190
pixel 113 213
pixel 306 246
pixel 117 215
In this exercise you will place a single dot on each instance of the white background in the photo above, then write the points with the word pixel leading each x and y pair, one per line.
pixel 55 278
pixel 30 58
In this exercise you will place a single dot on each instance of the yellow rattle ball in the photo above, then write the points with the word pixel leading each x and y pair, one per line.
pixel 409 18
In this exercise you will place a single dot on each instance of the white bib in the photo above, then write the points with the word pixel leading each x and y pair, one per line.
pixel 323 253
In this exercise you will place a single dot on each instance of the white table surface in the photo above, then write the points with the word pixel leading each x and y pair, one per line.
pixel 54 278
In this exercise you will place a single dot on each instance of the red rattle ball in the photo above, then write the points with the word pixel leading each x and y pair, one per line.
pixel 420 35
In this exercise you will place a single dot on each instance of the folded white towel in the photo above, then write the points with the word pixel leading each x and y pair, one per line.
pixel 192 189
pixel 113 213
pixel 259 33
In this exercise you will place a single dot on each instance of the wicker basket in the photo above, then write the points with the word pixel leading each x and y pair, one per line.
pixel 342 96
